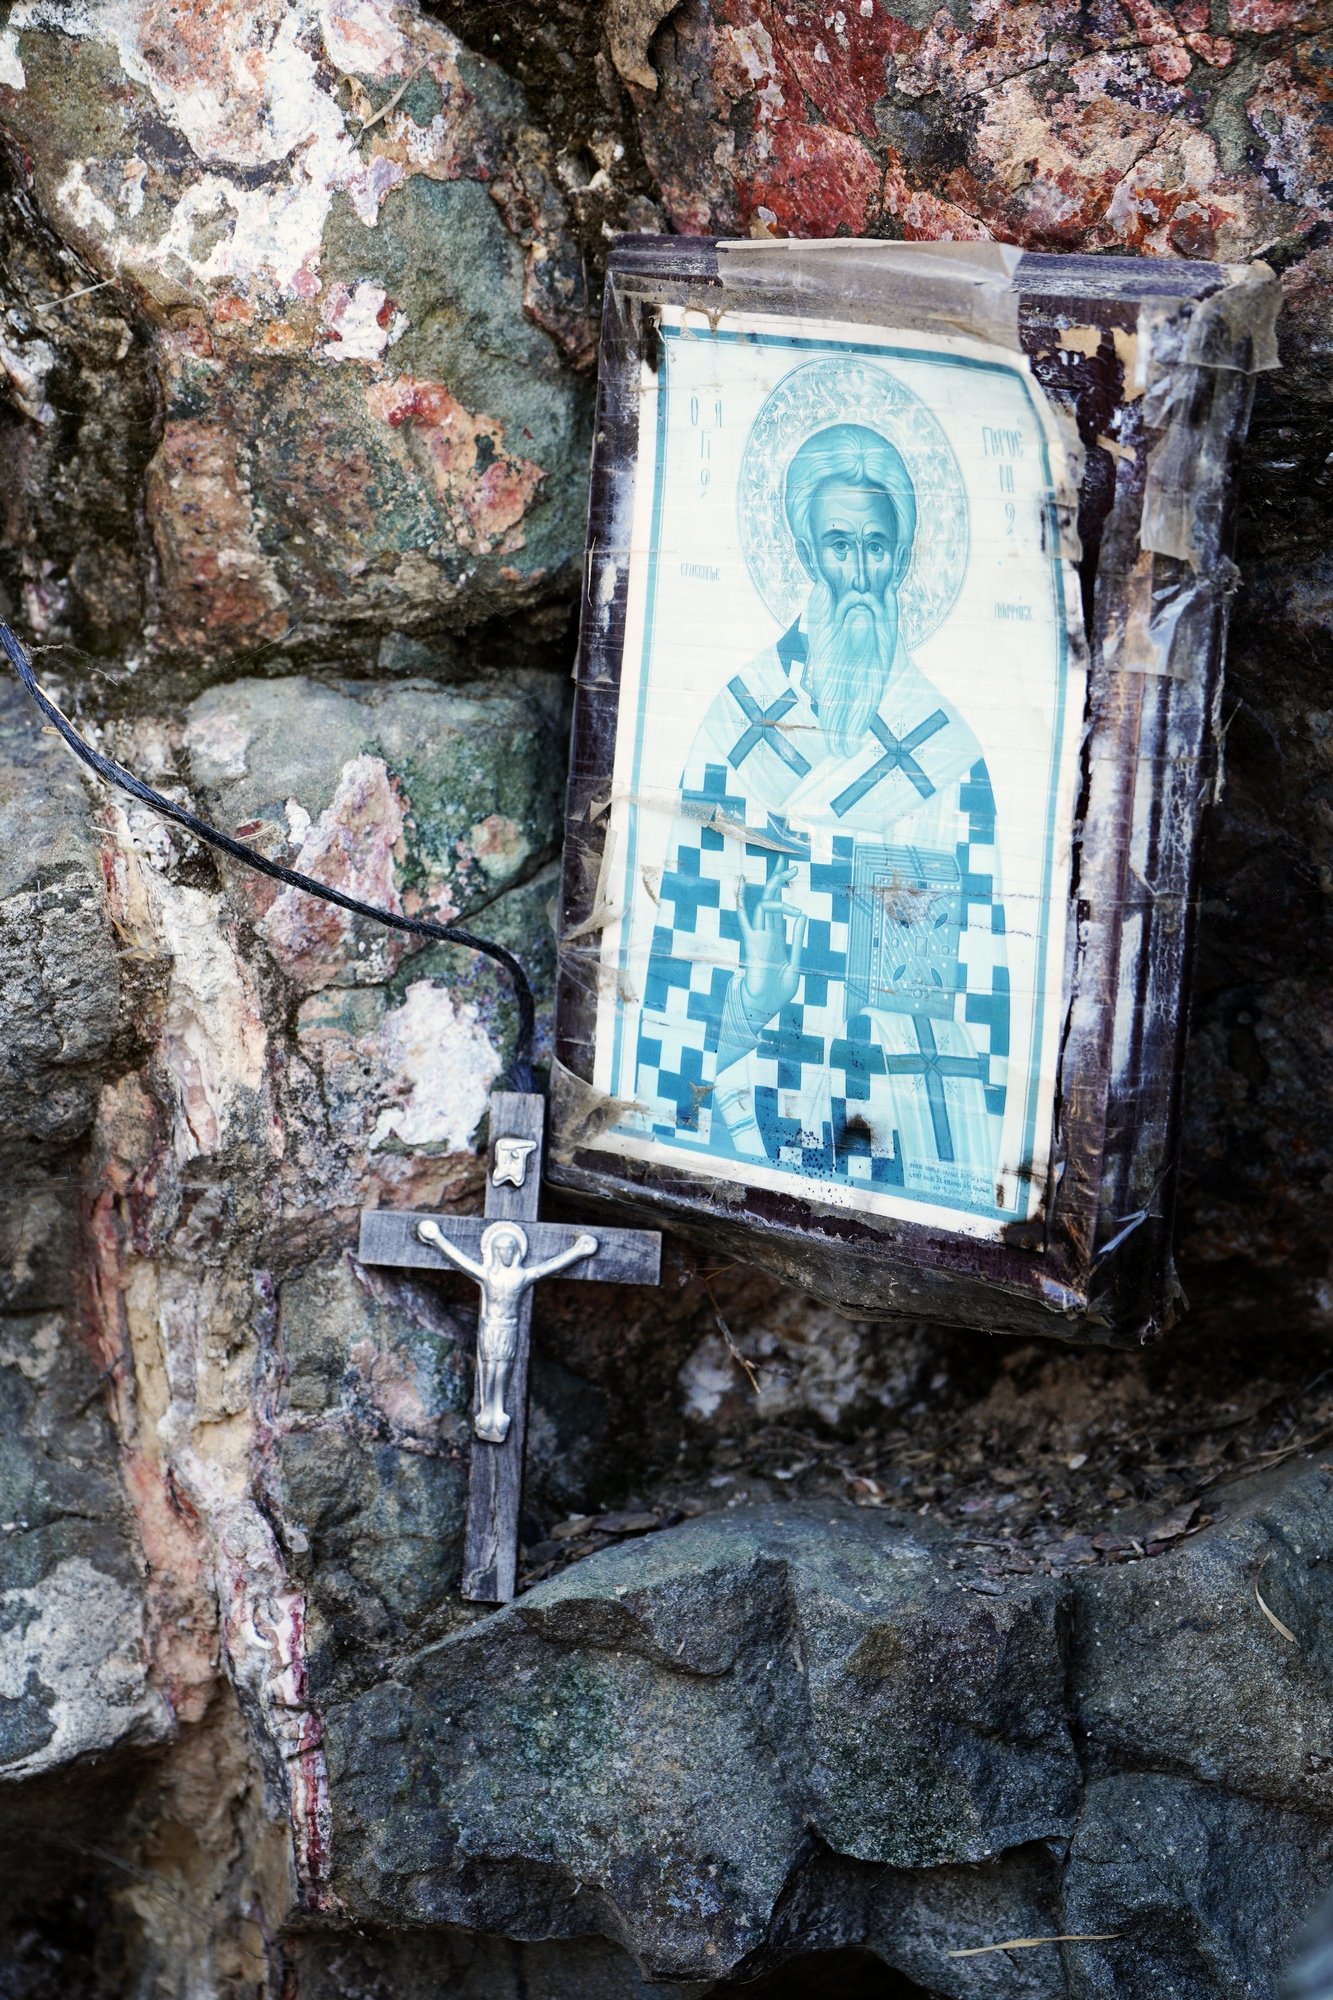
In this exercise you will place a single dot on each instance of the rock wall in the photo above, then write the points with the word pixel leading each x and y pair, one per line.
pixel 844 1648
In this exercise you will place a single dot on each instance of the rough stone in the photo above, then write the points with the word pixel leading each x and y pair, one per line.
pixel 411 797
pixel 78 432
pixel 297 308
pixel 73 1670
pixel 74 1659
pixel 844 1931
pixel 475 1967
pixel 840 1681
pixel 533 1774
pixel 1310 1976
pixel 916 1921
pixel 1206 1891
pixel 545 1803
pixel 1178 1668
pixel 74 1662
pixel 367 1465
pixel 1051 126
pixel 58 959
pixel 355 425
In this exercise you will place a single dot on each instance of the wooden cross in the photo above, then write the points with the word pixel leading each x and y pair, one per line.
pixel 493 1249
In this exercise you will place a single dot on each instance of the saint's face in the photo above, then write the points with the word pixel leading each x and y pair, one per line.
pixel 854 542
pixel 506 1249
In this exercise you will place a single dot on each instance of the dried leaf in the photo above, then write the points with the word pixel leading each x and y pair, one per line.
pixel 1174 1525
pixel 577 1524
pixel 627 1524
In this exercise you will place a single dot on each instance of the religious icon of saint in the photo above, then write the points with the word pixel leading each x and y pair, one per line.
pixel 865 969
pixel 837 1035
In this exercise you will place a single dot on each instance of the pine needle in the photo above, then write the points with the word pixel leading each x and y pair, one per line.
pixel 1274 1620
pixel 742 1360
pixel 393 102
pixel 1027 1944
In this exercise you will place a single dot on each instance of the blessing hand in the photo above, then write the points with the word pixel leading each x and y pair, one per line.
pixel 771 966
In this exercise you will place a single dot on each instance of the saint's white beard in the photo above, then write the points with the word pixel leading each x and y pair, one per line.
pixel 851 652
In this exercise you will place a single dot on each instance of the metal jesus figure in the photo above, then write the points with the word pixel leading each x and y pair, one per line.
pixel 493 1251
pixel 504 1276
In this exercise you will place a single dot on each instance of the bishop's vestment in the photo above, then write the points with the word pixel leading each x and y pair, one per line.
pixel 887 1070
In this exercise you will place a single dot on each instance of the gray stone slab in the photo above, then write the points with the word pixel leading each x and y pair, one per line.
pixel 59 970
pixel 644 1745
pixel 1207 1891
pixel 1175 1665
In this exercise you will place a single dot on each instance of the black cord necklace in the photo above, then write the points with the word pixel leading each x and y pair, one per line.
pixel 520 1069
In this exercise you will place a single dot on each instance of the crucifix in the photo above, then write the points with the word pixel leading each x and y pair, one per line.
pixel 494 1251
pixel 493 1248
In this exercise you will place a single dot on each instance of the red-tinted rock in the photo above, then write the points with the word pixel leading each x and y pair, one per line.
pixel 312 206
pixel 1052 127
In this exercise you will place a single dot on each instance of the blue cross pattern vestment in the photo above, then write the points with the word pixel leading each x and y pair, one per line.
pixel 888 1069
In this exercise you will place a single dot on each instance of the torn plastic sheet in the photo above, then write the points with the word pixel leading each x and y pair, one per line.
pixel 1234 328
pixel 602 912
pixel 581 1111
pixel 1063 501
pixel 964 287
pixel 1151 633
pixel 605 911
pixel 586 972
pixel 1195 361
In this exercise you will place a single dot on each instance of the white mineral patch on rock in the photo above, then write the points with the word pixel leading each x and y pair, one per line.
pixel 358 329
pixel 298 823
pixel 391 1380
pixel 807 1360
pixel 27 363
pixel 76 1638
pixel 248 98
pixel 11 68
pixel 37 1218
pixel 448 1061
pixel 131 187
pixel 35 1355
pixel 217 744
pixel 708 1376
pixel 361 36
pixel 354 848
pixel 214 1041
